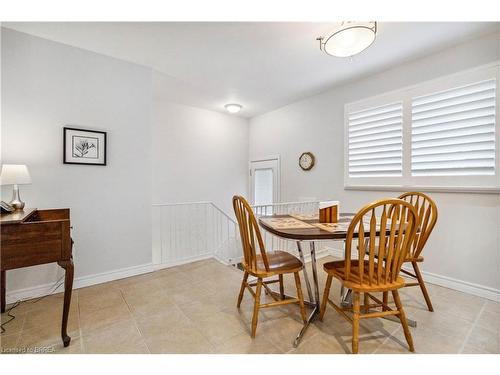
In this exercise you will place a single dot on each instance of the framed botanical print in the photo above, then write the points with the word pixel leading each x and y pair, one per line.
pixel 83 146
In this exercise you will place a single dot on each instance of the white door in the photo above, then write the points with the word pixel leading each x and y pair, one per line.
pixel 264 181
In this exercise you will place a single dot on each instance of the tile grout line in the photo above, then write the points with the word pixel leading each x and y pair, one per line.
pixel 301 342
pixel 21 331
pixel 135 322
pixel 82 346
pixel 195 326
pixel 397 329
pixel 474 324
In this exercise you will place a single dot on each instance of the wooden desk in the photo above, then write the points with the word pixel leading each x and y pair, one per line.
pixel 32 237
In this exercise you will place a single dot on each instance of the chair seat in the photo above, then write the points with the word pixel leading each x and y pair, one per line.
pixel 279 262
pixel 337 270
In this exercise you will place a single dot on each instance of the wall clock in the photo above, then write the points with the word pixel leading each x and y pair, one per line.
pixel 306 161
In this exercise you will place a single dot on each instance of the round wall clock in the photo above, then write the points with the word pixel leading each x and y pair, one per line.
pixel 306 161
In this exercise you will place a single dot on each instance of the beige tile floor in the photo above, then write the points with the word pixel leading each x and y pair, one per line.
pixel 191 309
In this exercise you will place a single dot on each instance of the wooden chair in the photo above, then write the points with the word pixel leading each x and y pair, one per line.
pixel 367 274
pixel 427 216
pixel 263 265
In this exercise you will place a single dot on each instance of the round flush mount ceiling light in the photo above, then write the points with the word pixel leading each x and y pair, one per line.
pixel 233 107
pixel 350 39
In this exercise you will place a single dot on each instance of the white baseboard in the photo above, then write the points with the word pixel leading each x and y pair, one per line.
pixel 462 286
pixel 196 258
pixel 445 281
pixel 79 282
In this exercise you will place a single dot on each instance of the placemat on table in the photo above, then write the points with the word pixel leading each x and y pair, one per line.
pixel 344 226
pixel 314 216
pixel 333 227
pixel 285 223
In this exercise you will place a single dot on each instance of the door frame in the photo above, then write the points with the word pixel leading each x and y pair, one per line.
pixel 278 172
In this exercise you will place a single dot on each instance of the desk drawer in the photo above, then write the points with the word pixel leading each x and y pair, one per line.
pixel 29 244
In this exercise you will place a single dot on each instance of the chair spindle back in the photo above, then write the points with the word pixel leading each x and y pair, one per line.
pixel 251 237
pixel 400 219
pixel 427 214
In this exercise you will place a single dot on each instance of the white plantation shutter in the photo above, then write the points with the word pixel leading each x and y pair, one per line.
pixel 438 135
pixel 453 131
pixel 375 141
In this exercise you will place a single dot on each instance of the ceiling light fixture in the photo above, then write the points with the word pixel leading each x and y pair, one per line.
pixel 350 39
pixel 233 107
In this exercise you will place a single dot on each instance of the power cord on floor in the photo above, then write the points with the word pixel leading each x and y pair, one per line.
pixel 57 284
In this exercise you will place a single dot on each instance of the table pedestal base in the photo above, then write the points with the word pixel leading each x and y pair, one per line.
pixel 311 318
pixel 316 304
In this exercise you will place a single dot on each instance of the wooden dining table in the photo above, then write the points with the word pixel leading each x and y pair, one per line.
pixel 307 228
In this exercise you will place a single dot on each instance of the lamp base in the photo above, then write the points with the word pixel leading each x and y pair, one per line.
pixel 16 201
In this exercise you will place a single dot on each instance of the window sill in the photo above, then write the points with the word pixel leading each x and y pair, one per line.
pixel 431 189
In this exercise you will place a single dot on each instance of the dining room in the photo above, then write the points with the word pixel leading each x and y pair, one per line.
pixel 250 187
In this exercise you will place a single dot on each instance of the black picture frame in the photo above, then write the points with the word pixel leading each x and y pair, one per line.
pixel 90 133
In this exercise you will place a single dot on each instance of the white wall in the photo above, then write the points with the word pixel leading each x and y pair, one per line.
pixel 158 152
pixel 47 85
pixel 465 242
pixel 198 155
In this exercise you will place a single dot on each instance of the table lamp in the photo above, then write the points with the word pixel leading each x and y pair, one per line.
pixel 15 174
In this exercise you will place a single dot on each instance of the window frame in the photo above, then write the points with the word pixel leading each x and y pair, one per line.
pixel 470 184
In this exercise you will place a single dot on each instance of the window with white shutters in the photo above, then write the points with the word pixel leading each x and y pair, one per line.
pixel 375 141
pixel 453 131
pixel 438 135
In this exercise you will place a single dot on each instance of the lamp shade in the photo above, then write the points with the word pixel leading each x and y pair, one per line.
pixel 351 39
pixel 15 174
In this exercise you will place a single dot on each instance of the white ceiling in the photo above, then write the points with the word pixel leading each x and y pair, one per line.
pixel 262 66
